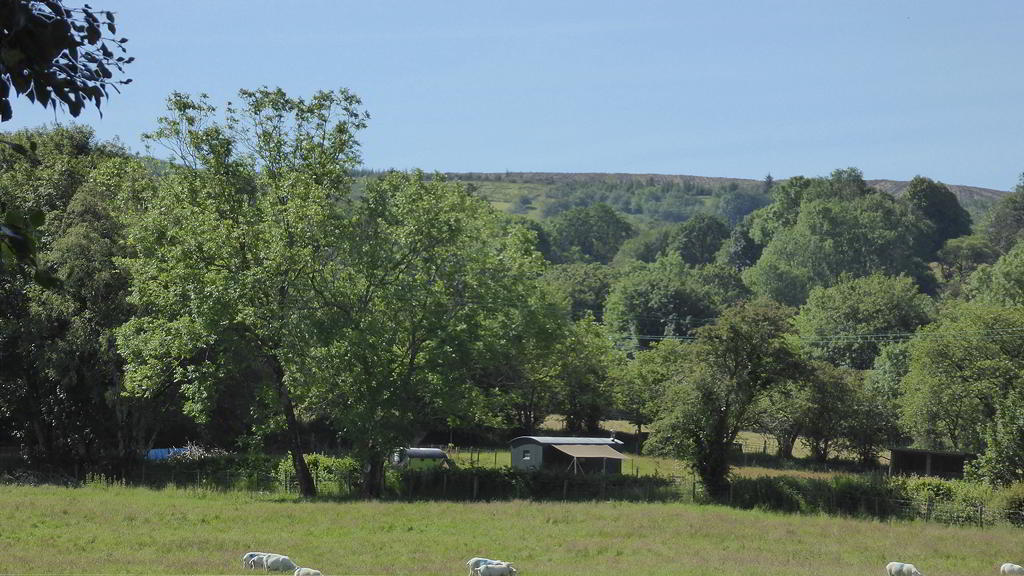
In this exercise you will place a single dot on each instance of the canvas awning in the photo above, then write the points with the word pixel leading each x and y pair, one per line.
pixel 590 451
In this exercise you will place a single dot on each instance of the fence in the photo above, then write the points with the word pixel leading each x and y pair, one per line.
pixel 858 498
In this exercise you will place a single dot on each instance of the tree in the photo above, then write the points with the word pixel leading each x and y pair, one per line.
pixel 61 375
pixel 232 250
pixel 1006 219
pixel 585 285
pixel 780 414
pixel 427 282
pixel 1002 463
pixel 641 382
pixel 657 300
pixel 698 239
pixel 827 409
pixel 962 368
pixel 50 54
pixel 842 227
pixel 844 324
pixel 717 385
pixel 588 361
pixel 591 234
pixel 939 206
pixel 962 256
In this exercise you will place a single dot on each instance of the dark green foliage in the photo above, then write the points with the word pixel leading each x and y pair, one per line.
pixel 585 285
pixel 654 301
pixel 1006 220
pixel 53 54
pixel 591 234
pixel 1011 501
pixel 841 227
pixel 1002 462
pixel 844 323
pixel 849 495
pixel 939 205
pixel 698 239
pixel 717 385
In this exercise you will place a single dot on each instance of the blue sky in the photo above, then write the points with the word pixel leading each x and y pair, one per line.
pixel 716 88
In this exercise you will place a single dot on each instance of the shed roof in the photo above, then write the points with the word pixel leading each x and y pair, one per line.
pixel 435 453
pixel 550 440
pixel 590 451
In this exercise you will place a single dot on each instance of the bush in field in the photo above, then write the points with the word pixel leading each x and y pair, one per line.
pixel 1011 501
pixel 325 469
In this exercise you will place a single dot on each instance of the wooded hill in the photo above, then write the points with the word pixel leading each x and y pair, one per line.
pixel 658 197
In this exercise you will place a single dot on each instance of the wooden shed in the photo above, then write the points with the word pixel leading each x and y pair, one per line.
pixel 940 463
pixel 567 453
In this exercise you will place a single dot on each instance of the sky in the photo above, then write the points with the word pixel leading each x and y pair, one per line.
pixel 730 88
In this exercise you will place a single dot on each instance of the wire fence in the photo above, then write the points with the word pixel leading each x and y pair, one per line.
pixel 488 477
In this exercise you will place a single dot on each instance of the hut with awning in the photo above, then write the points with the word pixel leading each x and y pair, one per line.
pixel 568 454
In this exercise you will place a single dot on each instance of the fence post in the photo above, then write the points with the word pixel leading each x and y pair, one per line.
pixel 444 485
pixel 476 486
pixel 565 488
pixel 981 515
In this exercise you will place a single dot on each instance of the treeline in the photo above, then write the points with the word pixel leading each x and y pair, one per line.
pixel 251 294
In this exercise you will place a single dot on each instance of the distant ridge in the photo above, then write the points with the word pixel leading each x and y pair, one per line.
pixel 966 194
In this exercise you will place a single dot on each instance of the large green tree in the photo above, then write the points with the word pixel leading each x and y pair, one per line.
pixel 659 300
pixel 718 384
pixel 962 368
pixel 424 282
pixel 232 249
pixel 841 227
pixel 939 205
pixel 846 323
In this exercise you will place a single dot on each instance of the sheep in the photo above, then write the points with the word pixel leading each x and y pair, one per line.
pixel 279 563
pixel 502 569
pixel 1011 569
pixel 474 563
pixel 259 561
pixel 901 569
pixel 306 572
pixel 248 556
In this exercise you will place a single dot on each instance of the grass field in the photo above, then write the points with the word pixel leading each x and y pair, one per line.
pixel 101 530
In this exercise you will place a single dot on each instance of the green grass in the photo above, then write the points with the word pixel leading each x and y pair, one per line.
pixel 98 530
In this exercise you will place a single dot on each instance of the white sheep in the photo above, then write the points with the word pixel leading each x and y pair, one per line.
pixel 474 563
pixel 901 569
pixel 248 556
pixel 279 563
pixel 1008 569
pixel 258 562
pixel 306 572
pixel 503 569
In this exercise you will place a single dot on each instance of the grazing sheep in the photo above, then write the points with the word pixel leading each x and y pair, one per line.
pixel 1011 569
pixel 306 572
pixel 248 556
pixel 475 563
pixel 901 569
pixel 503 569
pixel 279 563
pixel 258 562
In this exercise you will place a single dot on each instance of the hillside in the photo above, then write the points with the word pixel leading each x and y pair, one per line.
pixel 656 197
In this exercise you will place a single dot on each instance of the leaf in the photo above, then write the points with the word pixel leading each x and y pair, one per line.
pixel 36 217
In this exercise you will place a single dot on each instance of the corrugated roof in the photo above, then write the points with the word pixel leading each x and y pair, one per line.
pixel 590 451
pixel 569 440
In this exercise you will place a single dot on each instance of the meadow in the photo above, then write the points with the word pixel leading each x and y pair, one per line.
pixel 116 530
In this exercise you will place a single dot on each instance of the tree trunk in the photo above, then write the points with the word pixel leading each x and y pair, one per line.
pixel 373 478
pixel 307 489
